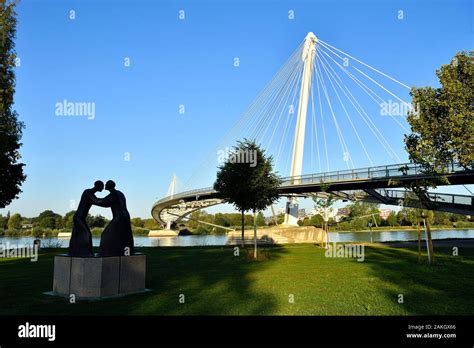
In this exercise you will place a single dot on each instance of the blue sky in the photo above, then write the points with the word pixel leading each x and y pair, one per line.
pixel 189 62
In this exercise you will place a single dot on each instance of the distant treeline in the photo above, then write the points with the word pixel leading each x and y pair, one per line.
pixel 49 223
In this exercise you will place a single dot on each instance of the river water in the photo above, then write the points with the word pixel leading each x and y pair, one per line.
pixel 201 240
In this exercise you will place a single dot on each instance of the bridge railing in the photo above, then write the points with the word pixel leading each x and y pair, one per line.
pixel 186 194
pixel 434 197
pixel 388 171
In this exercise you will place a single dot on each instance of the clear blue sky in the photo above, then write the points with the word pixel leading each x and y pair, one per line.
pixel 186 62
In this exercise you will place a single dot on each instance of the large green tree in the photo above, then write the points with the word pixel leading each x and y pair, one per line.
pixel 442 128
pixel 11 171
pixel 442 122
pixel 49 219
pixel 248 184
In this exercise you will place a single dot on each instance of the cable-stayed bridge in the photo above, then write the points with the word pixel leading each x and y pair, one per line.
pixel 329 83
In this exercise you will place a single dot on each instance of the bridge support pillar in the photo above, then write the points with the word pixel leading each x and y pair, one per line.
pixel 308 54
pixel 291 212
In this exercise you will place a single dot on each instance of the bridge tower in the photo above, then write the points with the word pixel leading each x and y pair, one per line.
pixel 308 54
pixel 171 192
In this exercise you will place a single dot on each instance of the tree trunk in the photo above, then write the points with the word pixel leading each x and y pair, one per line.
pixel 430 241
pixel 419 241
pixel 255 234
pixel 242 242
pixel 325 230
pixel 327 235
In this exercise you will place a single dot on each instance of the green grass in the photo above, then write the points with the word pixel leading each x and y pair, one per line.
pixel 215 282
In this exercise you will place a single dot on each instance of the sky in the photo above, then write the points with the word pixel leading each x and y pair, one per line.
pixel 140 64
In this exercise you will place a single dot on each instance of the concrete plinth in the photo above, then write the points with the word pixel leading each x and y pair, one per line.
pixel 99 277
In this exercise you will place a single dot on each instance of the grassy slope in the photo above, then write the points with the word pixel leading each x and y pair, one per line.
pixel 216 282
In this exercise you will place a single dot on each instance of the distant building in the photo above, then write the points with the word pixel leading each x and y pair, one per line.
pixel 343 212
pixel 27 226
pixel 301 213
pixel 385 213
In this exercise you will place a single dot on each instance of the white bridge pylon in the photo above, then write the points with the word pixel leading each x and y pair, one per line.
pixel 308 54
pixel 333 80
pixel 171 192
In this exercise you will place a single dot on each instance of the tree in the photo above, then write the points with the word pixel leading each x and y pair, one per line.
pixel 100 221
pixel 442 123
pixel 260 219
pixel 316 220
pixel 3 222
pixel 151 224
pixel 323 207
pixel 14 223
pixel 68 221
pixel 392 219
pixel 49 219
pixel 11 171
pixel 442 129
pixel 137 222
pixel 221 220
pixel 248 185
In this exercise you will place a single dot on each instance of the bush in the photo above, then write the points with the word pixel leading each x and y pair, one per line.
pixel 201 230
pixel 37 232
pixel 48 232
pixel 97 231
pixel 12 233
pixel 464 224
pixel 344 226
pixel 140 231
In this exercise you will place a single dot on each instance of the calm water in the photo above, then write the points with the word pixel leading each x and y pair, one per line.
pixel 385 236
pixel 388 236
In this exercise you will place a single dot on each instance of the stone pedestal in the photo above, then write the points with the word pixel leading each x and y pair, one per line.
pixel 98 277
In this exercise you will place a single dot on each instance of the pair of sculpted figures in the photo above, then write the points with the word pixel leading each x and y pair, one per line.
pixel 117 238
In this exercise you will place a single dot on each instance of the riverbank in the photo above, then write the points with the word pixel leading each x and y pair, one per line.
pixel 289 280
pixel 402 228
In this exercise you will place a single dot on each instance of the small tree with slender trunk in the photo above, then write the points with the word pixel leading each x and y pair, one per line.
pixel 323 206
pixel 247 181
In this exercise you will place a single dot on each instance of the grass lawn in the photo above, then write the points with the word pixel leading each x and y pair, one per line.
pixel 216 282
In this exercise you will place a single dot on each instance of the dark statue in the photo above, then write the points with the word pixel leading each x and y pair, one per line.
pixel 117 238
pixel 81 236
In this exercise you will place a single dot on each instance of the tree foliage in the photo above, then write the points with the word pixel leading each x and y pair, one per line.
pixel 248 186
pixel 14 223
pixel 11 171
pixel 442 122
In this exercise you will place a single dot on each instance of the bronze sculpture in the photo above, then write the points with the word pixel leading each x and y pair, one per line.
pixel 117 237
pixel 81 237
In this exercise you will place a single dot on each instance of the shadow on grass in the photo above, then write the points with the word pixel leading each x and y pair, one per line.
pixel 444 288
pixel 212 280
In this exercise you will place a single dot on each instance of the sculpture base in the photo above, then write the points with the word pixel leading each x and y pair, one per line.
pixel 98 277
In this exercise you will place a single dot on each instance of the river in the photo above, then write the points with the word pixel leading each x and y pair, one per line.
pixel 216 240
